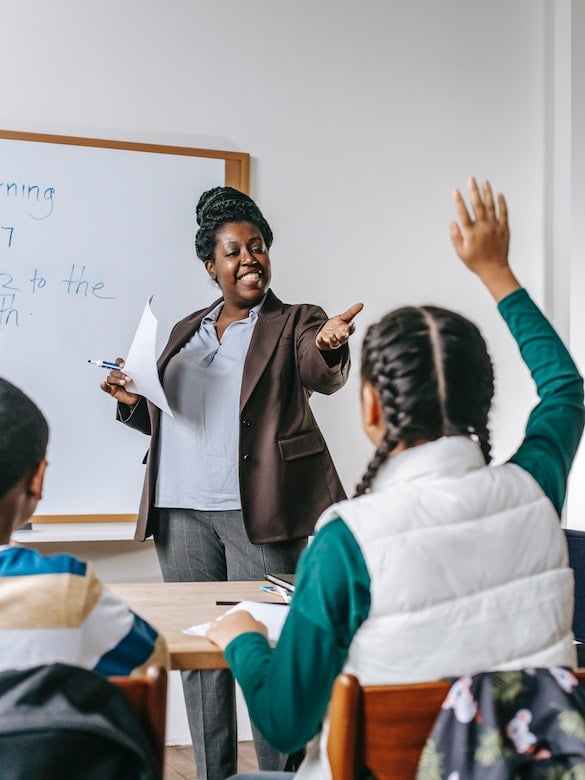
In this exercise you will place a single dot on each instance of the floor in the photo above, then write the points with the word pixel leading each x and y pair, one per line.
pixel 180 764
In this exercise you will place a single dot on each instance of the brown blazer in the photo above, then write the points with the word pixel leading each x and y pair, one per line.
pixel 287 476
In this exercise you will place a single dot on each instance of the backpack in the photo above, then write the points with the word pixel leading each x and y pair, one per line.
pixel 68 723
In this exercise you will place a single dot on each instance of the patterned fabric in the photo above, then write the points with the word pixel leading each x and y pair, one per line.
pixel 508 725
pixel 54 609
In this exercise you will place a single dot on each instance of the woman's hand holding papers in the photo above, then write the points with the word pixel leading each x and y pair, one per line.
pixel 229 626
pixel 115 385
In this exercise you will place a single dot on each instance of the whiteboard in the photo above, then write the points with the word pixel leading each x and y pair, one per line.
pixel 89 229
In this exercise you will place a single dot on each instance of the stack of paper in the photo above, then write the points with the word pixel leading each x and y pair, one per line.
pixel 272 615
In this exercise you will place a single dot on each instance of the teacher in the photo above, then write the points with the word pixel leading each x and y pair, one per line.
pixel 237 478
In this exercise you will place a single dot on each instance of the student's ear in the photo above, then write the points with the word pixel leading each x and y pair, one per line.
pixel 36 481
pixel 372 414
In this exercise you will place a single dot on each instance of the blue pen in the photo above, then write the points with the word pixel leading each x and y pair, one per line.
pixel 286 597
pixel 104 363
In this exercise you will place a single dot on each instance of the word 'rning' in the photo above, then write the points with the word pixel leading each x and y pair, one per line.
pixel 31 193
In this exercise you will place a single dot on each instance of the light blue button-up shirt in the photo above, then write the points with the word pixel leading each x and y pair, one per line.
pixel 198 448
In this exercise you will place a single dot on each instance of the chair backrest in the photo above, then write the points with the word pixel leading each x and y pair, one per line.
pixel 148 697
pixel 576 546
pixel 383 727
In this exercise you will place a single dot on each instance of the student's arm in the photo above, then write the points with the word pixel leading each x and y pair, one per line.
pixel 287 689
pixel 555 425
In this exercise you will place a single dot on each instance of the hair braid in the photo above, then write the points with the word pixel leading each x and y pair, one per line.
pixel 434 377
pixel 483 437
pixel 380 457
pixel 470 380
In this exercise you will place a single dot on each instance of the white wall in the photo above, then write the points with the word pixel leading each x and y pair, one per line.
pixel 576 240
pixel 360 117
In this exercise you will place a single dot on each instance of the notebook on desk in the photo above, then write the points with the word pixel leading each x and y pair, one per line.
pixel 286 581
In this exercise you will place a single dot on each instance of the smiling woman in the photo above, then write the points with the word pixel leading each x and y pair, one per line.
pixel 241 268
pixel 236 479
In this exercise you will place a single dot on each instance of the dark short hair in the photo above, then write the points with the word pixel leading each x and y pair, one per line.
pixel 217 207
pixel 24 434
pixel 434 375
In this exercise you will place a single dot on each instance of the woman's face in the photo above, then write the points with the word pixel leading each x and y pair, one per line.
pixel 241 265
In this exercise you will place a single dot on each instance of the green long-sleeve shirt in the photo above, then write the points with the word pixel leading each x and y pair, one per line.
pixel 287 688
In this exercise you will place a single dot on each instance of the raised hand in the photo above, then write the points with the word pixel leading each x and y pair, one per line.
pixel 338 329
pixel 481 239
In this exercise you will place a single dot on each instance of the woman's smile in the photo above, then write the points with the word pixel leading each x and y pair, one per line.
pixel 251 278
pixel 241 264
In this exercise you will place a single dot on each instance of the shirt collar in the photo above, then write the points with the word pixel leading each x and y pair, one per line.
pixel 214 313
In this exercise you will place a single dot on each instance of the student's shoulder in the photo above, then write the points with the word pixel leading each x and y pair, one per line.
pixel 23 562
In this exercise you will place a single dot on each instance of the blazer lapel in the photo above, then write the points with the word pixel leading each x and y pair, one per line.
pixel 181 335
pixel 265 337
pixel 264 340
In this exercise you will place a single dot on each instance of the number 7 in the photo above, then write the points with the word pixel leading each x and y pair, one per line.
pixel 10 234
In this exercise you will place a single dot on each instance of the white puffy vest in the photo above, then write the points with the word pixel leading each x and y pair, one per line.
pixel 468 565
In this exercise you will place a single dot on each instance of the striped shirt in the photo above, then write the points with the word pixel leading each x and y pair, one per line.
pixel 54 609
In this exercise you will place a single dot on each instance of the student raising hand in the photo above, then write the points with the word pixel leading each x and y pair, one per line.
pixel 481 239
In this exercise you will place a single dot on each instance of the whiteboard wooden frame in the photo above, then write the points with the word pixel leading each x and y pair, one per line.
pixel 237 164
pixel 237 174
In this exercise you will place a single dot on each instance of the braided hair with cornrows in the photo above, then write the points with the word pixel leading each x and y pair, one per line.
pixel 217 207
pixel 434 376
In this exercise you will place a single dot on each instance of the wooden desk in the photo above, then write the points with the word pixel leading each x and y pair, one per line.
pixel 174 606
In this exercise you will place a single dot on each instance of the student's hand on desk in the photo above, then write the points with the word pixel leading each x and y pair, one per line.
pixel 115 383
pixel 336 331
pixel 222 631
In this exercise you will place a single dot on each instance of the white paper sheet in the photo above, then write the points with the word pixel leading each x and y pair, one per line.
pixel 141 362
pixel 272 615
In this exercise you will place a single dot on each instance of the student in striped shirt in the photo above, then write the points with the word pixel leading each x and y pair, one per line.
pixel 53 608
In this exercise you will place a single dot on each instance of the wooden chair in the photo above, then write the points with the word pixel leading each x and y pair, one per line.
pixel 148 697
pixel 383 727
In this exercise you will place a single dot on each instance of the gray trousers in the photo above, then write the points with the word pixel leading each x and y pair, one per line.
pixel 201 546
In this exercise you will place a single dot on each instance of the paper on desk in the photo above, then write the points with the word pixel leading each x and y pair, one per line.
pixel 272 615
pixel 140 363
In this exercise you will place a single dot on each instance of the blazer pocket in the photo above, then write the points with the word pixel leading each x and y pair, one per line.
pixel 301 444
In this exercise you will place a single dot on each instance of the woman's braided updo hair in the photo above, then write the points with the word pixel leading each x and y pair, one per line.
pixel 219 206
pixel 435 378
